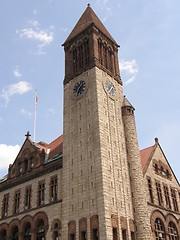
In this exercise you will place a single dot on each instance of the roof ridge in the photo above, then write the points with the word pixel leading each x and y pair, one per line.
pixel 55 139
pixel 147 148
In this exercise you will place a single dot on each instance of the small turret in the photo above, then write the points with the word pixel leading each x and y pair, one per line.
pixel 141 217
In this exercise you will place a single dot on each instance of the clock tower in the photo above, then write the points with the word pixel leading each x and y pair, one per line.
pixel 97 201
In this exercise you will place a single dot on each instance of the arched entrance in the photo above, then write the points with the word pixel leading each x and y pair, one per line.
pixel 3 235
pixel 27 232
pixel 40 234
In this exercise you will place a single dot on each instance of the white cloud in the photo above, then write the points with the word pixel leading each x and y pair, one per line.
pixel 17 72
pixel 24 112
pixel 41 35
pixel 8 154
pixel 34 23
pixel 106 10
pixel 128 69
pixel 16 88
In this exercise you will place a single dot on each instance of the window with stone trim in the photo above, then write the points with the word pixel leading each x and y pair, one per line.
pixel 100 51
pixel 150 190
pixel 115 233
pixel 75 60
pixel 159 229
pixel 41 193
pixel 17 201
pixel 124 234
pixel 3 235
pixel 172 231
pixel 167 198
pixel 81 59
pixel 54 188
pixel 95 234
pixel 159 194
pixel 86 51
pixel 132 235
pixel 28 198
pixel 173 195
pixel 5 205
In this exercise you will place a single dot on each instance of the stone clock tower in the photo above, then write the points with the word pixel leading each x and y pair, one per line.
pixel 97 188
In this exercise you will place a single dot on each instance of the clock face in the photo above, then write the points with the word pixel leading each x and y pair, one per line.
pixel 79 88
pixel 110 88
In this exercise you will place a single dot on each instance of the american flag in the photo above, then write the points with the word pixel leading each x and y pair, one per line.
pixel 36 98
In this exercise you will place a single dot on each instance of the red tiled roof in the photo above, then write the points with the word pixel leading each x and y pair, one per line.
pixel 144 155
pixel 88 17
pixel 56 146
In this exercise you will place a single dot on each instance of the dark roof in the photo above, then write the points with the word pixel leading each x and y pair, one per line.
pixel 126 103
pixel 88 17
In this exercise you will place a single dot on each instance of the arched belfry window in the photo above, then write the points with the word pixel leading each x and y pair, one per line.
pixel 74 60
pixel 110 62
pixel 172 231
pixel 100 51
pixel 86 51
pixel 159 229
pixel 105 63
pixel 81 59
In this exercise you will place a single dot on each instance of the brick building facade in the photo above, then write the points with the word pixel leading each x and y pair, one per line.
pixel 92 182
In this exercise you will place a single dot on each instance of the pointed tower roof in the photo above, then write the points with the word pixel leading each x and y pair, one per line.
pixel 88 18
pixel 126 103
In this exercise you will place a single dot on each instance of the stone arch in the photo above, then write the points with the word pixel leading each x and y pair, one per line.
pixel 82 228
pixel 71 229
pixel 41 218
pixel 56 228
pixel 94 225
pixel 3 230
pixel 171 218
pixel 157 214
pixel 25 221
pixel 14 228
pixel 115 228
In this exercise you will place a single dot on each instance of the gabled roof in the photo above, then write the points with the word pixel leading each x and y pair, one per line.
pixel 88 17
pixel 147 154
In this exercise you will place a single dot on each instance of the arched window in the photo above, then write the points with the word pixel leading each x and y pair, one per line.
pixel 159 229
pixel 100 51
pixel 75 60
pixel 105 56
pixel 172 231
pixel 156 168
pixel 15 233
pixel 56 234
pixel 162 170
pixel 167 173
pixel 3 235
pixel 81 60
pixel 40 235
pixel 27 232
pixel 86 51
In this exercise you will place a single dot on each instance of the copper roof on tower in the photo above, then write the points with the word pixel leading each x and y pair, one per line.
pixel 87 19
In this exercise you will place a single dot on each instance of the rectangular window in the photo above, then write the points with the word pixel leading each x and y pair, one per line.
pixel 83 236
pixel 166 194
pixel 159 194
pixel 17 202
pixel 5 205
pixel 41 194
pixel 124 234
pixel 114 233
pixel 28 198
pixel 95 234
pixel 54 189
pixel 173 194
pixel 150 190
pixel 72 236
pixel 132 236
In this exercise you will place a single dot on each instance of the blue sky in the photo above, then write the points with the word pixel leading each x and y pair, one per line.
pixel 32 58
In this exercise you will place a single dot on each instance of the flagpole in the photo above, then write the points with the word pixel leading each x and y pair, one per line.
pixel 35 115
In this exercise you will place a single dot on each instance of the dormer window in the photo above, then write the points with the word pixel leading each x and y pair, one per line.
pixel 156 168
pixel 20 168
pixel 162 170
pixel 26 165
